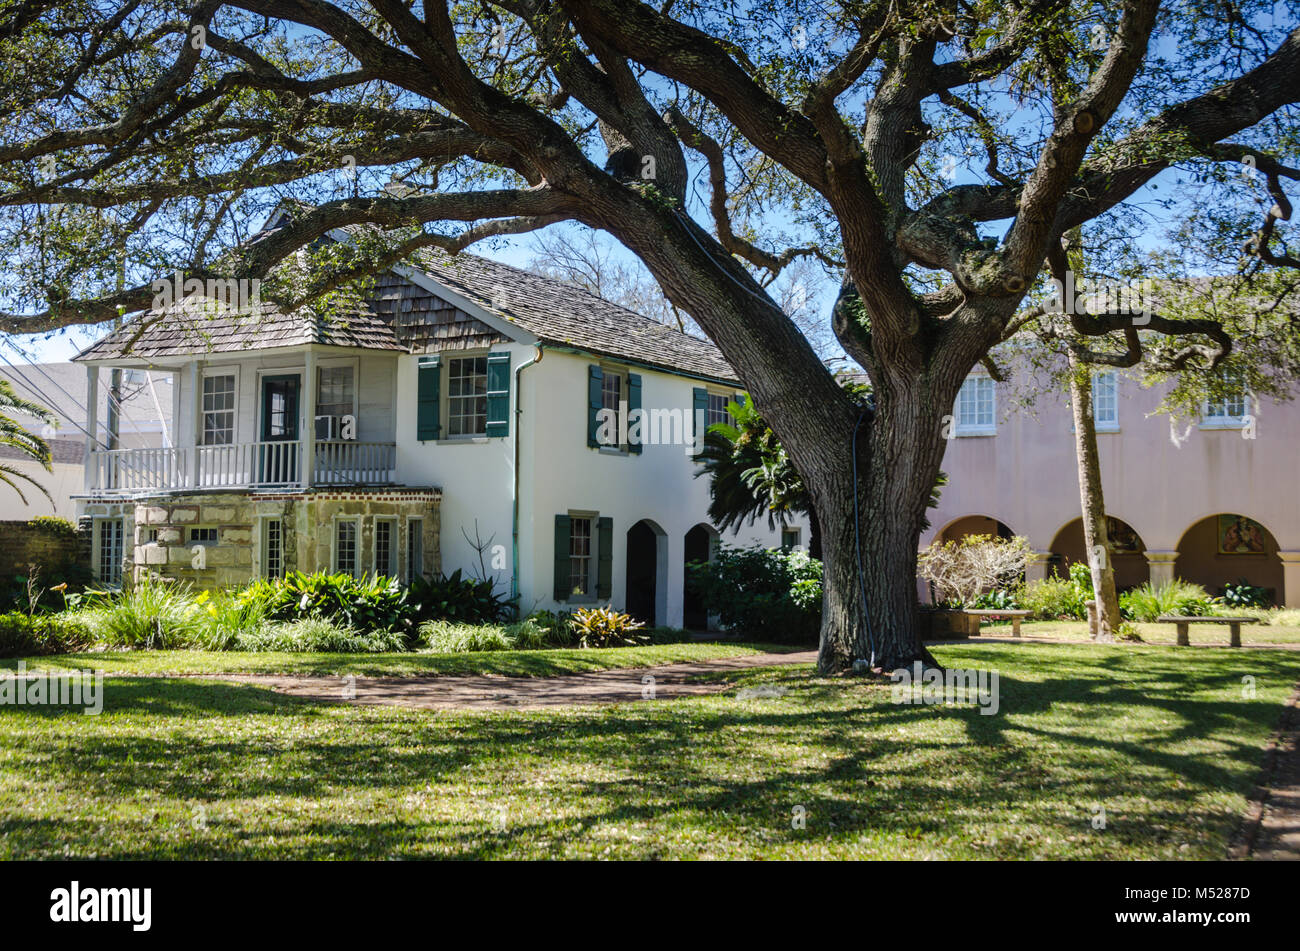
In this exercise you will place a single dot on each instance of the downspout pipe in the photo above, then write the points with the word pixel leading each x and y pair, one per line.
pixel 514 490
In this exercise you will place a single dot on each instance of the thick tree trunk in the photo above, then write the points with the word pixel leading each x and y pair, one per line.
pixel 869 593
pixel 1096 537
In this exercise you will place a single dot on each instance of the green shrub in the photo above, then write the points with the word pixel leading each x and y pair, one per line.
pixel 605 627
pixel 456 637
pixel 768 594
pixel 1005 598
pixel 1055 597
pixel 456 598
pixel 666 635
pixel 227 615
pixel 311 634
pixel 1148 602
pixel 23 635
pixel 361 603
pixel 1243 595
pixel 150 613
pixel 558 626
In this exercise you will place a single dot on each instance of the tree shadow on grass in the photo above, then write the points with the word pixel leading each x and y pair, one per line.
pixel 865 767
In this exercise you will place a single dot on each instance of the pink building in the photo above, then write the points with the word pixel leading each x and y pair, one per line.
pixel 1211 502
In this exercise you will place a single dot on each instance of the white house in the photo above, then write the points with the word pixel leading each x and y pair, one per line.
pixel 471 415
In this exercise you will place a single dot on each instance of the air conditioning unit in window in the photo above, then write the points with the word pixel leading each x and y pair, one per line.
pixel 328 427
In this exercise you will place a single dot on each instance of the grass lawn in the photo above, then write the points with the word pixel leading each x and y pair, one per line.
pixel 534 663
pixel 1164 740
pixel 1159 633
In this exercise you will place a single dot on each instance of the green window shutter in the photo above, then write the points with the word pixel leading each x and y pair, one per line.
pixel 498 394
pixel 562 532
pixel 699 404
pixel 594 380
pixel 427 423
pixel 605 550
pixel 634 405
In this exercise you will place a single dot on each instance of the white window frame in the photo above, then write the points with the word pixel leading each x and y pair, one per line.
pixel 355 366
pixel 355 521
pixel 961 428
pixel 622 374
pixel 445 397
pixel 1212 419
pixel 1105 425
pixel 264 546
pixel 201 415
pixel 727 397
pixel 189 534
pixel 98 525
pixel 414 530
pixel 592 556
pixel 393 568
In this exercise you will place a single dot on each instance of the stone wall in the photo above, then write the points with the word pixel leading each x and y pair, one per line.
pixel 159 538
pixel 58 550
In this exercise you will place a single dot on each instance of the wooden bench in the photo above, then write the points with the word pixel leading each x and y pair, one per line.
pixel 1234 626
pixel 1015 616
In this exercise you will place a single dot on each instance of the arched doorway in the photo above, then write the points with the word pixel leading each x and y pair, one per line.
pixel 701 542
pixel 1127 551
pixel 973 525
pixel 646 572
pixel 1228 548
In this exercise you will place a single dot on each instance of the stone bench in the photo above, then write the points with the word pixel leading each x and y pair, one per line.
pixel 1182 623
pixel 1003 612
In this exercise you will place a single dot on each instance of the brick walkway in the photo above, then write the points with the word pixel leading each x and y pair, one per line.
pixel 1271 830
pixel 522 693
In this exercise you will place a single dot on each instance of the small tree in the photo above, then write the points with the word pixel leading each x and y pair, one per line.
pixel 962 570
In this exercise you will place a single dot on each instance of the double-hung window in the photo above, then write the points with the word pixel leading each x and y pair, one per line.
pixel 110 550
pixel 1105 401
pixel 467 396
pixel 219 409
pixel 335 398
pixel 1229 409
pixel 580 555
pixel 716 411
pixel 613 400
pixel 347 540
pixel 385 548
pixel 414 549
pixel 976 411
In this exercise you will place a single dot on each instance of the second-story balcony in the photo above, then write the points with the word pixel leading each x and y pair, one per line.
pixel 271 464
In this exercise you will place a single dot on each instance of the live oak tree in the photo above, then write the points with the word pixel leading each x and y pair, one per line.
pixel 932 153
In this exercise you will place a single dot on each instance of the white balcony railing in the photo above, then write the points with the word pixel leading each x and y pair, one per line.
pixel 240 466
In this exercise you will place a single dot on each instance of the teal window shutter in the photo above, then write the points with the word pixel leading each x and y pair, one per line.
pixel 428 386
pixel 595 379
pixel 498 394
pixel 699 404
pixel 605 551
pixel 562 532
pixel 633 406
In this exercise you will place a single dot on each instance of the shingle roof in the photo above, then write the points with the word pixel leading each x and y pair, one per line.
pixel 555 312
pixel 562 313
pixel 214 328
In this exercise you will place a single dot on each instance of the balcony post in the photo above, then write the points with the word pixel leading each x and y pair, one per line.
pixel 309 411
pixel 196 421
pixel 92 422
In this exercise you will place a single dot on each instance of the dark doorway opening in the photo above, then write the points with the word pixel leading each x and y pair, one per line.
pixel 699 547
pixel 642 572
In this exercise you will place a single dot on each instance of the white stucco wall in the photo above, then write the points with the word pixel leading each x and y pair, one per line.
pixel 561 474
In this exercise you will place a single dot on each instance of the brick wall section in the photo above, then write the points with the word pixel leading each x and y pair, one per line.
pixel 54 551
pixel 236 556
